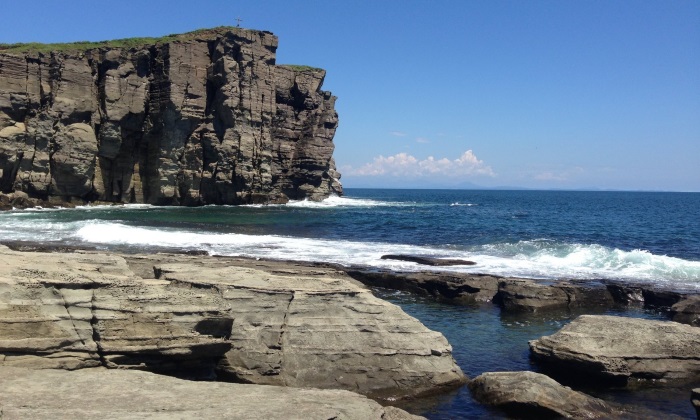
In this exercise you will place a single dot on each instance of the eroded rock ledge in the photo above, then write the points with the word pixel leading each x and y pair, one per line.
pixel 249 321
pixel 200 118
pixel 519 294
pixel 118 394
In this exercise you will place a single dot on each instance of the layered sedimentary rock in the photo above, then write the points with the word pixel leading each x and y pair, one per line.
pixel 263 323
pixel 621 351
pixel 118 394
pixel 201 118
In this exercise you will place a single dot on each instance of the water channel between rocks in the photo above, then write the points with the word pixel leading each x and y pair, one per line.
pixel 484 339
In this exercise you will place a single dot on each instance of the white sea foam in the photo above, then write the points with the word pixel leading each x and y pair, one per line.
pixel 333 201
pixel 458 204
pixel 336 201
pixel 535 259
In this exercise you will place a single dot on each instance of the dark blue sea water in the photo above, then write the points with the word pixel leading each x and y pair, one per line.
pixel 635 236
pixel 628 236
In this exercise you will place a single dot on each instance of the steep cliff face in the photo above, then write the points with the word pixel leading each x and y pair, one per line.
pixel 203 118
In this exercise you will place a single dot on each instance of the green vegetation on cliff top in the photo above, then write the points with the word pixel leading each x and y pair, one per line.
pixel 36 47
pixel 300 68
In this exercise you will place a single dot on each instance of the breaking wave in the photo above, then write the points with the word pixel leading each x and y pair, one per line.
pixel 535 259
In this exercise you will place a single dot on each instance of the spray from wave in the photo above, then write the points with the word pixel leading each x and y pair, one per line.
pixel 536 259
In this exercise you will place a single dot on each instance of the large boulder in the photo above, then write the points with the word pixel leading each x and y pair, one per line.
pixel 195 315
pixel 119 394
pixel 314 327
pixel 530 394
pixel 621 351
pixel 687 310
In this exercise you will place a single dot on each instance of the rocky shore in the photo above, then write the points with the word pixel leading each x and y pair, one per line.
pixel 113 317
pixel 113 393
pixel 200 317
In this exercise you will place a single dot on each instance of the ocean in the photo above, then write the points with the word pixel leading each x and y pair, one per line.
pixel 648 237
pixel 634 236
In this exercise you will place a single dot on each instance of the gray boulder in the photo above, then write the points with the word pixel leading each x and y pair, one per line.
pixel 621 351
pixel 530 394
pixel 687 310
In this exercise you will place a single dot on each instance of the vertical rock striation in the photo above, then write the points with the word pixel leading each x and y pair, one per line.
pixel 200 118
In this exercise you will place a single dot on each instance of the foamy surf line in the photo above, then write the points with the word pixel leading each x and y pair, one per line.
pixel 333 201
pixel 531 259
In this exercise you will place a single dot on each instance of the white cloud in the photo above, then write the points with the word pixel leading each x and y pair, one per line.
pixel 397 133
pixel 405 165
pixel 422 140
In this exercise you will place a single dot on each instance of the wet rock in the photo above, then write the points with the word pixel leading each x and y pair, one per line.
pixel 533 395
pixel 621 351
pixel 687 310
pixel 531 295
pixel 695 400
pixel 436 262
pixel 119 394
pixel 455 288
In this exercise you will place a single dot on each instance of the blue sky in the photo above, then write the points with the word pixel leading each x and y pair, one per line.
pixel 536 94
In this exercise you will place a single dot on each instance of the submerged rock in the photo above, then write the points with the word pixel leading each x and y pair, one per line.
pixel 533 395
pixel 621 351
pixel 436 262
pixel 265 323
pixel 118 394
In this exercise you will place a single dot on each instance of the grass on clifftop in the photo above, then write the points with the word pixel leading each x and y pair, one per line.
pixel 36 47
pixel 300 68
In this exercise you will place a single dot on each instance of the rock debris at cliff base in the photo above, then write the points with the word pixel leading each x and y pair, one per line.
pixel 202 118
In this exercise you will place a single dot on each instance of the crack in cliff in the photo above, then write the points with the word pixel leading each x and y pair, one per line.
pixel 280 341
pixel 242 89
pixel 95 330
pixel 70 316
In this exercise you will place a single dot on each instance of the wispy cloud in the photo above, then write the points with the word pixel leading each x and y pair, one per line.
pixel 558 176
pixel 397 133
pixel 422 140
pixel 405 165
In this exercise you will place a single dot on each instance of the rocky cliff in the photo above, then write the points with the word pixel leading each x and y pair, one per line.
pixel 200 118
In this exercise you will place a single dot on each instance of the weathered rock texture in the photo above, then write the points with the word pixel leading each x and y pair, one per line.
pixel 687 310
pixel 263 323
pixel 118 394
pixel 529 295
pixel 621 351
pixel 204 118
pixel 533 395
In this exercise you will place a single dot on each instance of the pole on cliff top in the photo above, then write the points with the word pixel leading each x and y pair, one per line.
pixel 238 22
